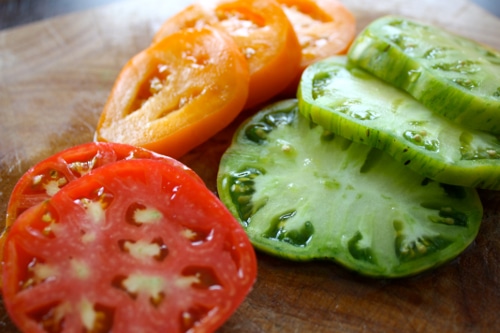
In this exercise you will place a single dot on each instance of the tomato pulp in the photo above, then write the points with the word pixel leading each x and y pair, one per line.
pixel 135 246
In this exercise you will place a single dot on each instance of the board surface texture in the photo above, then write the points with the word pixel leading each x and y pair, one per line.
pixel 55 76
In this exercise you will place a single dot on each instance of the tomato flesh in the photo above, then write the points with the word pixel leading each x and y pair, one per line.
pixel 177 93
pixel 135 246
pixel 305 193
pixel 262 32
pixel 47 177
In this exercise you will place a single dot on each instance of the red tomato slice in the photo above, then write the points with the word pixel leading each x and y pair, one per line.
pixel 261 31
pixel 177 94
pixel 135 246
pixel 47 177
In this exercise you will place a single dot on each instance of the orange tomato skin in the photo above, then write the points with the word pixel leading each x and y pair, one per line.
pixel 177 93
pixel 263 33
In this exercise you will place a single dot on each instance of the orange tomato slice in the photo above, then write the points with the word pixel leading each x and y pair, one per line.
pixel 177 93
pixel 263 33
pixel 324 28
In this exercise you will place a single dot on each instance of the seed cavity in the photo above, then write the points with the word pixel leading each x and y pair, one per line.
pixel 96 318
pixel 436 53
pixel 88 237
pixel 259 131
pixel 320 84
pixel 421 139
pixel 307 18
pixel 199 277
pixel 497 92
pixel 354 108
pixel 49 182
pixel 49 222
pixel 242 187
pixel 52 187
pixel 405 43
pixel 82 168
pixel 447 215
pixel 141 249
pixel 468 152
pixel 197 237
pixel 467 83
pixel 249 52
pixel 51 316
pixel 298 237
pixel 193 317
pixel 134 285
pixel 182 101
pixel 150 87
pixel 138 214
pixel 359 249
pixel 95 205
pixel 39 272
pixel 237 22
pixel 459 66
pixel 80 269
pixel 409 249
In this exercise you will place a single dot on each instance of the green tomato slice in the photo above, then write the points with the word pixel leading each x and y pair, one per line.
pixel 304 193
pixel 451 75
pixel 355 104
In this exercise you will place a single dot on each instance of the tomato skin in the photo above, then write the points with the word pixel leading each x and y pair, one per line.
pixel 303 193
pixel 46 177
pixel 71 164
pixel 59 272
pixel 177 93
pixel 261 30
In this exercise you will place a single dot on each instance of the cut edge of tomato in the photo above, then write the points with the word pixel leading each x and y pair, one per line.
pixel 89 156
pixel 273 31
pixel 145 127
pixel 235 241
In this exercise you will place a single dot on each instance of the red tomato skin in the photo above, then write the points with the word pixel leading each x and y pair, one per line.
pixel 186 205
pixel 93 154
pixel 70 164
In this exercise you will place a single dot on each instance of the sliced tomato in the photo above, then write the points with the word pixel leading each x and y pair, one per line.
pixel 324 28
pixel 262 32
pixel 135 246
pixel 177 93
pixel 47 177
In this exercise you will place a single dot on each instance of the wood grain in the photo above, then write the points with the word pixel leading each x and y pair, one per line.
pixel 55 76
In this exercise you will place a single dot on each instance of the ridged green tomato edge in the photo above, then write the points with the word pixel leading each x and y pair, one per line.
pixel 479 173
pixel 386 60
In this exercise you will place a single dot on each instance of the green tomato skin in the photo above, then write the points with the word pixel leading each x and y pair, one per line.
pixel 352 103
pixel 451 75
pixel 304 193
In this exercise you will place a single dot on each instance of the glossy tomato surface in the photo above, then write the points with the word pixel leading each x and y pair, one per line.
pixel 261 30
pixel 177 93
pixel 135 246
pixel 47 177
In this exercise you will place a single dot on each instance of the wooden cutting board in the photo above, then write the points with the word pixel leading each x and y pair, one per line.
pixel 55 76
